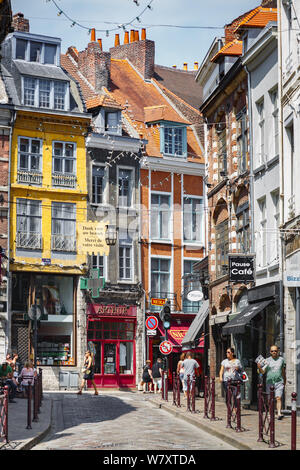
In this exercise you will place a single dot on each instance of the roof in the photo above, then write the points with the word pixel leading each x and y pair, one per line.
pixel 257 18
pixel 102 100
pixel 181 82
pixel 233 48
pixel 161 113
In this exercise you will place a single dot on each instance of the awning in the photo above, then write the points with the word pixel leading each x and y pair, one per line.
pixel 220 317
pixel 175 334
pixel 237 324
pixel 196 325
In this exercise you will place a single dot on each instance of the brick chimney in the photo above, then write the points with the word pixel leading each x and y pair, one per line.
pixel 94 64
pixel 19 23
pixel 140 53
pixel 269 3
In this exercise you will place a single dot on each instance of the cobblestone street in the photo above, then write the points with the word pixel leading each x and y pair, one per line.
pixel 120 421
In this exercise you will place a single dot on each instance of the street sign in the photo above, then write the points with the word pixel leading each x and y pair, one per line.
pixel 166 347
pixel 151 332
pixel 158 302
pixel 151 323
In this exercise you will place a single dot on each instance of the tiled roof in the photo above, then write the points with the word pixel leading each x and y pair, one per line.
pixel 233 48
pixel 102 100
pixel 161 113
pixel 258 18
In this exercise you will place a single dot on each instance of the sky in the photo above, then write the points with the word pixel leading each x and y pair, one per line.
pixel 173 45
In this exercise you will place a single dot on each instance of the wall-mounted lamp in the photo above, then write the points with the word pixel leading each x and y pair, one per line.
pixel 111 235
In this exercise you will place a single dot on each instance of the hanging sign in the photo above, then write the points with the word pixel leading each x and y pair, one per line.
pixel 91 238
pixel 195 296
pixel 241 268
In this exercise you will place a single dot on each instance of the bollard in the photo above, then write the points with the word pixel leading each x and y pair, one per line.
pixel 238 408
pixel 188 393
pixel 206 379
pixel 41 384
pixel 35 399
pixel 163 385
pixel 272 417
pixel 260 414
pixel 193 394
pixel 213 400
pixel 5 406
pixel 294 422
pixel 29 406
pixel 166 387
pixel 178 391
pixel 174 389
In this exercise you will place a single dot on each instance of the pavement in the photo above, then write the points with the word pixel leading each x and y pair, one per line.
pixel 21 438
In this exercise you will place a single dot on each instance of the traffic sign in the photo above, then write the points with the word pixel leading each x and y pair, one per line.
pixel 151 332
pixel 166 347
pixel 151 323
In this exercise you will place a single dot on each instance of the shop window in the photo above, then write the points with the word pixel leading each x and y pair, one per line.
pixel 126 358
pixel 98 330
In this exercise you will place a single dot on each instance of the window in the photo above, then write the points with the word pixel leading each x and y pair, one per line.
pixel 29 218
pixel 191 282
pixel 63 226
pixel 112 122
pixel 64 164
pixel 275 247
pixel 222 150
pixel 160 216
pixel 242 141
pixel 125 188
pixel 21 46
pixel 98 184
pixel 243 228
pixel 45 93
pixel 50 54
pixel 30 154
pixel 263 232
pixel 36 51
pixel 193 219
pixel 261 124
pixel 222 248
pixel 174 139
pixel 274 98
pixel 160 277
pixel 98 262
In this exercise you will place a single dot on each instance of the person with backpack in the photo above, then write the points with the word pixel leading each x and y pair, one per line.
pixel 147 376
pixel 157 374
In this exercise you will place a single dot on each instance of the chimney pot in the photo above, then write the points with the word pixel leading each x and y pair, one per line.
pixel 100 43
pixel 185 66
pixel 93 35
pixel 196 64
pixel 143 35
pixel 137 38
pixel 126 37
pixel 174 66
pixel 117 40
pixel 132 34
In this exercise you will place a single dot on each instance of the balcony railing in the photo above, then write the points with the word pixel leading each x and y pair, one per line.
pixel 29 240
pixel 29 177
pixel 66 181
pixel 63 242
pixel 172 297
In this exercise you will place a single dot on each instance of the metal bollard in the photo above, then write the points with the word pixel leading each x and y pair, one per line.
pixel 178 391
pixel 206 386
pixel 35 399
pixel 166 387
pixel 294 422
pixel 41 384
pixel 188 393
pixel 238 408
pixel 29 406
pixel 213 399
pixel 5 406
pixel 228 401
pixel 260 413
pixel 174 389
pixel 193 395
pixel 272 417
pixel 163 385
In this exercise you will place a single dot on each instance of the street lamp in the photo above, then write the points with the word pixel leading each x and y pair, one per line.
pixel 111 235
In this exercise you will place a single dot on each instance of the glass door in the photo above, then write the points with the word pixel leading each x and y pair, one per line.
pixel 110 358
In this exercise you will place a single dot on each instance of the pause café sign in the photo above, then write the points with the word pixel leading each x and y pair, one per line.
pixel 241 268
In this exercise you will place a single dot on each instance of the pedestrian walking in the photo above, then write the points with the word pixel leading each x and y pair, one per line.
pixel 157 374
pixel 88 372
pixel 275 375
pixel 231 369
pixel 190 367
pixel 147 376
pixel 180 368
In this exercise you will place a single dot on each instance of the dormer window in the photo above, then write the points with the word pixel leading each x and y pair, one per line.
pixel 173 140
pixel 36 51
pixel 112 122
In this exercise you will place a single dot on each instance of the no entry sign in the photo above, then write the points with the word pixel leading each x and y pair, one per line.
pixel 152 323
pixel 166 347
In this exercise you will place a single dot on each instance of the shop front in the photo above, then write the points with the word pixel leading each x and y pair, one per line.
pixel 111 332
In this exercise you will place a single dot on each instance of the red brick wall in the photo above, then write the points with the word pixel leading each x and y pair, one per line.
pixel 94 64
pixel 140 53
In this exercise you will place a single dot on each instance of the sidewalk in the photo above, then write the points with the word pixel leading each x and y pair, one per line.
pixel 246 440
pixel 19 437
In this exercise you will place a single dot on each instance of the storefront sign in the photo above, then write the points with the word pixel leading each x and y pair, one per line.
pixel 195 295
pixel 159 302
pixel 102 310
pixel 91 238
pixel 241 268
pixel 291 278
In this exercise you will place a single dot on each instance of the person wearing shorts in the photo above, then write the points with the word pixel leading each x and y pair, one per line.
pixel 157 374
pixel 275 376
pixel 88 372
pixel 190 369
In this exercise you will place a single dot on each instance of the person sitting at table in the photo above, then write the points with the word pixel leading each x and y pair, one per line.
pixel 6 373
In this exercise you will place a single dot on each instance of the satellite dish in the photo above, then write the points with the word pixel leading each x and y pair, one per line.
pixel 32 310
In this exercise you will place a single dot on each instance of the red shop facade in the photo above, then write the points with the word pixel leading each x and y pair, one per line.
pixel 111 337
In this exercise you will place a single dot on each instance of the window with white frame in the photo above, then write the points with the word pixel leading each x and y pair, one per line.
pixel 275 114
pixel 112 122
pixel 98 184
pixel 174 141
pixel 30 154
pixel 63 226
pixel 275 247
pixel 222 149
pixel 64 164
pixel 222 248
pixel 191 282
pixel 29 224
pixel 160 216
pixel 160 277
pixel 263 232
pixel 193 219
pixel 99 262
pixel 125 187
pixel 243 228
pixel 125 257
pixel 36 51
pixel 261 124
pixel 242 141
pixel 42 93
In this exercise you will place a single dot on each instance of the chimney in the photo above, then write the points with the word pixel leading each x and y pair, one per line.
pixel 140 53
pixel 269 3
pixel 94 64
pixel 117 40
pixel 19 23
pixel 126 37
pixel 137 37
pixel 185 66
pixel 196 65
pixel 174 66
pixel 100 43
pixel 93 35
pixel 143 34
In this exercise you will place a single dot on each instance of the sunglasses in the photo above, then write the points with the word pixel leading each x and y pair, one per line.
pixel 274 350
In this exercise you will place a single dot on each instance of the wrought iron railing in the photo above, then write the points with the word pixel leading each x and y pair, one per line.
pixel 29 177
pixel 63 242
pixel 29 240
pixel 66 181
